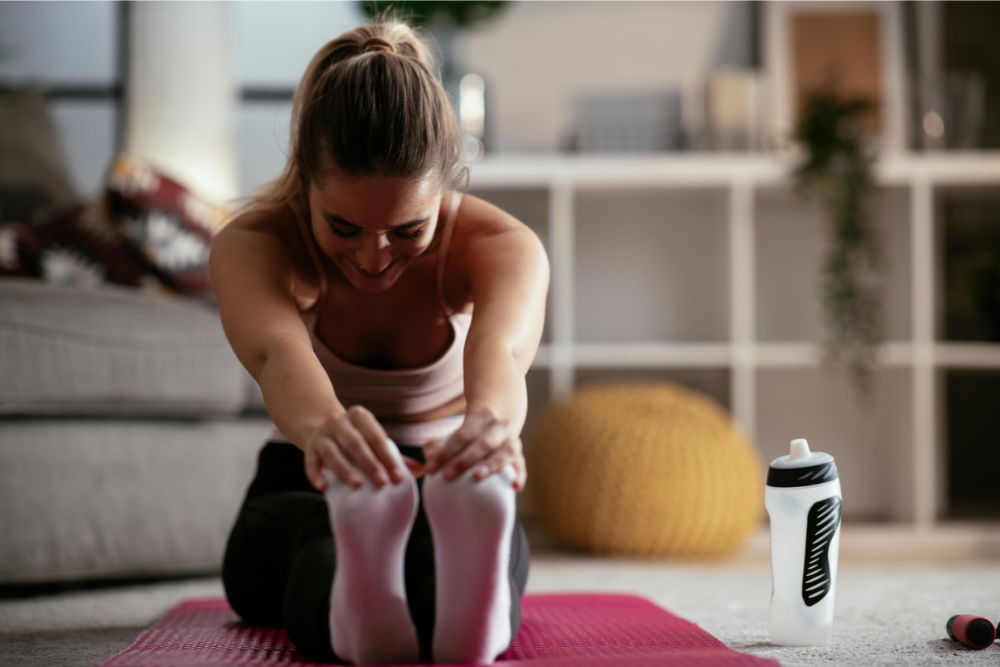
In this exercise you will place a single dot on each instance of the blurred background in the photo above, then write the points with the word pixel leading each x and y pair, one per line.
pixel 693 168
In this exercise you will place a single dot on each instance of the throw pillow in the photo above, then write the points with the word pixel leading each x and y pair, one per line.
pixel 77 246
pixel 18 250
pixel 173 227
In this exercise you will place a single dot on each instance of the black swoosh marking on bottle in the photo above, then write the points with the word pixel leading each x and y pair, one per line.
pixel 822 523
pixel 791 477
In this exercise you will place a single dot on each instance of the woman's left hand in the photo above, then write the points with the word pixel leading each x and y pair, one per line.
pixel 484 441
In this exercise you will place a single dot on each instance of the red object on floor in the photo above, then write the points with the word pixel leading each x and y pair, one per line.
pixel 556 630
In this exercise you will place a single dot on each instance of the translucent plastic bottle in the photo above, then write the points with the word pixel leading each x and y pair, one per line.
pixel 803 500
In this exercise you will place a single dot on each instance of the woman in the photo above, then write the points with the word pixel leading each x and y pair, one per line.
pixel 390 322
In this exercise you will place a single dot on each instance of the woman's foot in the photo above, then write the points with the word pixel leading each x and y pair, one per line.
pixel 471 523
pixel 370 622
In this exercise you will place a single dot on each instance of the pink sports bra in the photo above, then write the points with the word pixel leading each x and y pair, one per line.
pixel 394 392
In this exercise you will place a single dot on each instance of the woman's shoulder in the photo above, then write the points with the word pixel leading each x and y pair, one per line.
pixel 484 230
pixel 272 231
pixel 275 222
pixel 480 221
pixel 478 217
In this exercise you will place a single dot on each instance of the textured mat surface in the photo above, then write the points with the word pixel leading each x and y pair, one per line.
pixel 561 630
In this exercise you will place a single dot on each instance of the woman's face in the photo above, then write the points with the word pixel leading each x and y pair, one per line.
pixel 373 228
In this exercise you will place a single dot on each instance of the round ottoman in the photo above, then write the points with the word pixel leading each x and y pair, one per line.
pixel 645 469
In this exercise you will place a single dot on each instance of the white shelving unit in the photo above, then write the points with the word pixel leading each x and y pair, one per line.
pixel 744 355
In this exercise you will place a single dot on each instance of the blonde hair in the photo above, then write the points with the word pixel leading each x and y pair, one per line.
pixel 368 104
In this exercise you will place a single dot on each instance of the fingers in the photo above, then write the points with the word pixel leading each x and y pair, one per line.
pixel 431 450
pixel 313 471
pixel 325 455
pixel 440 453
pixel 497 461
pixel 361 455
pixel 383 448
pixel 416 468
pixel 520 473
pixel 356 439
pixel 354 446
pixel 495 438
pixel 473 426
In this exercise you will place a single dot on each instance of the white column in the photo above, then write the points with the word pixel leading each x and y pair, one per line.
pixel 563 307
pixel 924 403
pixel 181 94
pixel 742 306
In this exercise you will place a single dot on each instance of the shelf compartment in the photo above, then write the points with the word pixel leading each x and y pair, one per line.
pixel 790 249
pixel 870 438
pixel 968 231
pixel 651 265
pixel 973 458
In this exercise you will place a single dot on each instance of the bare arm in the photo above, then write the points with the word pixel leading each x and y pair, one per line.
pixel 252 277
pixel 509 275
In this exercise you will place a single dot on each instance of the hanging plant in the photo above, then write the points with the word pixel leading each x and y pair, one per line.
pixel 838 172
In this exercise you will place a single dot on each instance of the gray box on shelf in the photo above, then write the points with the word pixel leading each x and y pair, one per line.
pixel 638 122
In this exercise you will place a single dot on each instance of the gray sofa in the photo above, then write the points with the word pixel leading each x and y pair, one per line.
pixel 128 433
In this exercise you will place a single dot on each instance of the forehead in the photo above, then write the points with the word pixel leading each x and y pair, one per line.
pixel 341 195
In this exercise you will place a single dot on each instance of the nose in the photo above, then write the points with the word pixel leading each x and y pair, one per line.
pixel 374 255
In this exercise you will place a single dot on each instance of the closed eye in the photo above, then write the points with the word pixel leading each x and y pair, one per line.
pixel 342 234
pixel 409 236
pixel 346 229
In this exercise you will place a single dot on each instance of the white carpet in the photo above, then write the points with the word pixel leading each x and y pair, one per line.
pixel 886 614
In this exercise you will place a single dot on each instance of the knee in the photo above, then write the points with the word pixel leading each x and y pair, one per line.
pixel 307 599
pixel 249 584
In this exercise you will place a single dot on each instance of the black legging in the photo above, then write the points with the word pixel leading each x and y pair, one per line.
pixel 279 562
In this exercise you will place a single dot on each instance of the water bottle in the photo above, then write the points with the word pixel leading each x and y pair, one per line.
pixel 803 500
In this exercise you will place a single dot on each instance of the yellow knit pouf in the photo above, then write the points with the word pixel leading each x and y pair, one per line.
pixel 646 469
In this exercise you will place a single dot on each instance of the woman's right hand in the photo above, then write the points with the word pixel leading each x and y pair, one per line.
pixel 350 441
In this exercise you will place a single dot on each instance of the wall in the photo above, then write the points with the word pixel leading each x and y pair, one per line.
pixel 614 46
pixel 537 56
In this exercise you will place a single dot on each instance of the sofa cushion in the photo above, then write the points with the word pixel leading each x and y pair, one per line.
pixel 113 350
pixel 111 498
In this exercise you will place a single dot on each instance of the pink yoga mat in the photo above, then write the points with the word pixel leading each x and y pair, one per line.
pixel 556 630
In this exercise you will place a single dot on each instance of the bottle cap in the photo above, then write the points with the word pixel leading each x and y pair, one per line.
pixel 799 449
pixel 801 467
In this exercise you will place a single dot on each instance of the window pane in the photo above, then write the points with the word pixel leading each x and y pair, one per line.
pixel 263 142
pixel 87 131
pixel 274 41
pixel 58 42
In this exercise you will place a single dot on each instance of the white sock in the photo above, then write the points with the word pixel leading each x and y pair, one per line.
pixel 471 523
pixel 370 622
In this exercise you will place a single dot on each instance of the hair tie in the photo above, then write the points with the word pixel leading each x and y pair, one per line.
pixel 377 44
